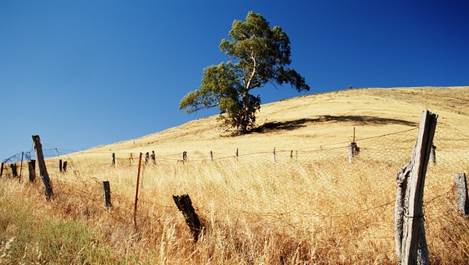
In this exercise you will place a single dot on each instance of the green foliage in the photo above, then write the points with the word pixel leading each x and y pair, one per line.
pixel 259 54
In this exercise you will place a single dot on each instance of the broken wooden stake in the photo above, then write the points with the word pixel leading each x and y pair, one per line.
pixel 461 194
pixel 107 195
pixel 184 205
pixel 42 167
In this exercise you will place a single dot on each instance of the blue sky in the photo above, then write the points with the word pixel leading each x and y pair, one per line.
pixel 82 73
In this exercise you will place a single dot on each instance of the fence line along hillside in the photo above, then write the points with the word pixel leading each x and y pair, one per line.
pixel 322 203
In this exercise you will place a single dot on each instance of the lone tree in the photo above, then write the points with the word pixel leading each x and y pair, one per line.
pixel 259 54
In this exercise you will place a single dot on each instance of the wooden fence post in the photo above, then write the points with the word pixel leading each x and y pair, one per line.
pixel 153 157
pixel 353 151
pixel 291 154
pixel 1 169
pixel 461 194
pixel 237 153
pixel 14 170
pixel 136 189
pixel 184 205
pixel 42 167
pixel 433 154
pixel 275 155
pixel 147 157
pixel 184 156
pixel 21 164
pixel 131 159
pixel 211 155
pixel 107 195
pixel 32 170
pixel 113 159
pixel 64 166
pixel 60 165
pixel 411 244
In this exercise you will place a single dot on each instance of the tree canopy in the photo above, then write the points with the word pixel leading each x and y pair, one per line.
pixel 258 54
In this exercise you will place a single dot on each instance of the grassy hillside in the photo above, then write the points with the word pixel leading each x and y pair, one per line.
pixel 313 208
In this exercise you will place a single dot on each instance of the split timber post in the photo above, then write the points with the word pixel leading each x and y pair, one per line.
pixel 184 205
pixel 113 159
pixel 136 189
pixel 60 165
pixel 32 170
pixel 211 155
pixel 107 195
pixel 411 244
pixel 433 154
pixel 275 155
pixel 64 166
pixel 21 164
pixel 461 194
pixel 1 169
pixel 42 167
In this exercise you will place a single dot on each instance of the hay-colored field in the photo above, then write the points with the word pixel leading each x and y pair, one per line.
pixel 312 208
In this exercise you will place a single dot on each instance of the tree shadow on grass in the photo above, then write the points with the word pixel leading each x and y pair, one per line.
pixel 296 124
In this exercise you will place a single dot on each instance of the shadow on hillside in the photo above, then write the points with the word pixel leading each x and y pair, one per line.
pixel 295 124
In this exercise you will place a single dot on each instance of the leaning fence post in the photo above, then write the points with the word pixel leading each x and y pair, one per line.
pixel 42 167
pixel 184 205
pixel 107 195
pixel 1 169
pixel 461 194
pixel 32 170
pixel 21 164
pixel 411 244
pixel 136 189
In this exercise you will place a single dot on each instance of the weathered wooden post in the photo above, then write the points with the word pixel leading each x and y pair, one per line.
pixel 14 170
pixel 42 167
pixel 461 194
pixel 107 195
pixel 21 164
pixel 147 157
pixel 291 154
pixel 184 205
pixel 275 155
pixel 113 159
pixel 433 154
pixel 237 153
pixel 131 159
pixel 353 148
pixel 1 169
pixel 60 165
pixel 153 157
pixel 136 189
pixel 411 244
pixel 32 170
pixel 64 166
pixel 184 156
pixel 211 155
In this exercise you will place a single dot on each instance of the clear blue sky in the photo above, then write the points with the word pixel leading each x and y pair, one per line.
pixel 83 73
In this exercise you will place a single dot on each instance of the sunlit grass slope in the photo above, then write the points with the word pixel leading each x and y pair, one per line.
pixel 309 206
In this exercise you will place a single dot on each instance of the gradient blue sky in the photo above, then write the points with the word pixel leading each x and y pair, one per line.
pixel 82 73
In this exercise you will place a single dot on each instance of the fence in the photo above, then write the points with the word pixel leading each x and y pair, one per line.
pixel 380 155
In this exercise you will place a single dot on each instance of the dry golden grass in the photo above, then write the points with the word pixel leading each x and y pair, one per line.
pixel 313 209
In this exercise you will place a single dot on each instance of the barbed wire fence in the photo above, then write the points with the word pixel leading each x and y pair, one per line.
pixel 381 155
